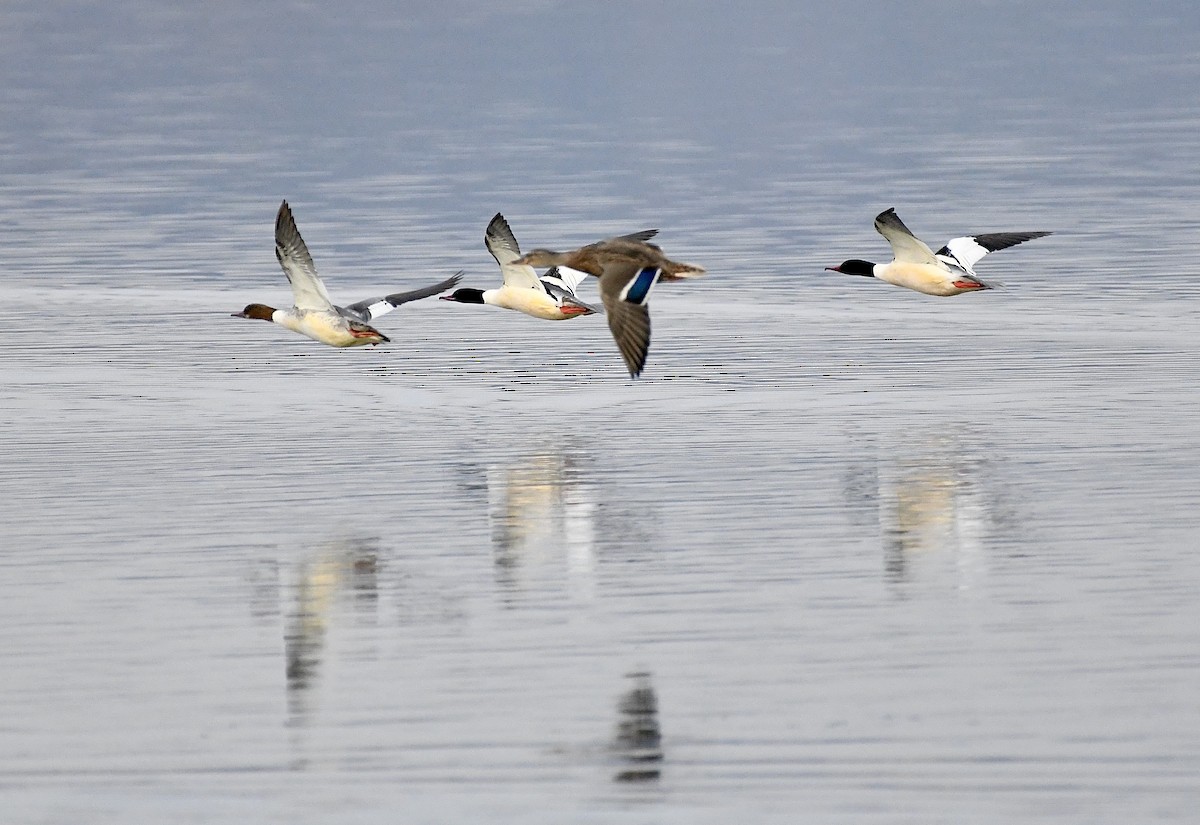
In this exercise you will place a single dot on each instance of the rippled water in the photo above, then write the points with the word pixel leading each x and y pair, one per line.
pixel 845 552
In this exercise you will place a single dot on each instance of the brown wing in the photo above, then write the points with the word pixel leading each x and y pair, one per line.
pixel 639 237
pixel 630 245
pixel 629 323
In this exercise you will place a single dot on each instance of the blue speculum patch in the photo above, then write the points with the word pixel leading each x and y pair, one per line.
pixel 639 288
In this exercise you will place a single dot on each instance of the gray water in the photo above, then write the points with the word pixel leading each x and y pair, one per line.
pixel 844 553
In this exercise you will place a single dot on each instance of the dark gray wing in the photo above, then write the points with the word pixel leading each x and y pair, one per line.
pixel 629 322
pixel 638 237
pixel 372 308
pixel 500 241
pixel 569 299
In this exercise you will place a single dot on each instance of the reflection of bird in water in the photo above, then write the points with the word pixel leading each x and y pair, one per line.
pixel 933 511
pixel 320 580
pixel 540 513
pixel 638 741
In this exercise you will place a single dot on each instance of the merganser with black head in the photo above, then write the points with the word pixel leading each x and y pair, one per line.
pixel 551 297
pixel 949 271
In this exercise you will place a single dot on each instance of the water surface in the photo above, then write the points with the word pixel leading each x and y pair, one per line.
pixel 844 550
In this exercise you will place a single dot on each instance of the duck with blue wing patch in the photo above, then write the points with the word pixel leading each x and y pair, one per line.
pixel 628 269
pixel 637 290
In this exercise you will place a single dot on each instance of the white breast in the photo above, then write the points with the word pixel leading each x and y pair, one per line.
pixel 326 327
pixel 925 278
pixel 530 301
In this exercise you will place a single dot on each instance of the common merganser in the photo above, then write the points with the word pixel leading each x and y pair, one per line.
pixel 551 297
pixel 313 314
pixel 949 271
pixel 628 270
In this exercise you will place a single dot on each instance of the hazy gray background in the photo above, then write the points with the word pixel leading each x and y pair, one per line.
pixel 885 558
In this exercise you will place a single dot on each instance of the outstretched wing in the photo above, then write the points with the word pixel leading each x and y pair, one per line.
pixel 372 308
pixel 297 264
pixel 967 251
pixel 637 237
pixel 625 289
pixel 905 246
pixel 502 244
pixel 562 278
pixel 560 283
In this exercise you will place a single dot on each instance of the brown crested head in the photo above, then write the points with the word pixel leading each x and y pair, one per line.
pixel 260 311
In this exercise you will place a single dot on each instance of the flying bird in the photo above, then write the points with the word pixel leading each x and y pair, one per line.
pixel 551 297
pixel 314 314
pixel 949 271
pixel 628 270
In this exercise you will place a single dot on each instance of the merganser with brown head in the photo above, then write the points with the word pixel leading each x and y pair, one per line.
pixel 314 314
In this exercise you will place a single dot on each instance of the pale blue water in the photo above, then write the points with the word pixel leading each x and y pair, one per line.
pixel 880 557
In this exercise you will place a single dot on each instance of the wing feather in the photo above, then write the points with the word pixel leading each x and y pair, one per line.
pixel 372 308
pixel 965 252
pixel 564 278
pixel 638 237
pixel 905 246
pixel 503 245
pixel 628 322
pixel 297 264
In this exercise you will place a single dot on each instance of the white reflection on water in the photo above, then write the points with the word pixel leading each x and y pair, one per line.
pixel 542 521
pixel 934 518
pixel 321 579
pixel 933 511
pixel 701 527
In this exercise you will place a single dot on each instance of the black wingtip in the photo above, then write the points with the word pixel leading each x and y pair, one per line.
pixel 995 241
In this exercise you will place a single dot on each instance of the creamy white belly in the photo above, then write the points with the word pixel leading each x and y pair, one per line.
pixel 925 278
pixel 530 301
pixel 326 327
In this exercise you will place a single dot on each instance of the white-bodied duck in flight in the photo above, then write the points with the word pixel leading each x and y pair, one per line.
pixel 314 314
pixel 949 271
pixel 628 269
pixel 551 297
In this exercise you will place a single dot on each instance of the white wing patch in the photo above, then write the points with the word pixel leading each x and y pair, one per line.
pixel 373 311
pixel 571 278
pixel 963 253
